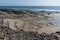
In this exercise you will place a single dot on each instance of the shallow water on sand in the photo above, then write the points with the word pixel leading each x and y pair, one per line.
pixel 56 21
pixel 53 28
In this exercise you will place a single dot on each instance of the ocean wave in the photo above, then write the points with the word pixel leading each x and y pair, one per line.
pixel 34 9
pixel 45 10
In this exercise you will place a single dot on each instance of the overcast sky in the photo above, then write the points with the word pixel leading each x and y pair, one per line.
pixel 29 2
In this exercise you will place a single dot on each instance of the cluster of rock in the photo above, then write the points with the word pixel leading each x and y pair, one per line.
pixel 22 13
pixel 10 34
pixel 11 11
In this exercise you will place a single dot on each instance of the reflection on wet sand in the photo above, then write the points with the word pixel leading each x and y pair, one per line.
pixel 56 24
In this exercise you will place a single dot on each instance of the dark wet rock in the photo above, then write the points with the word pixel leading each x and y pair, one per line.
pixel 58 32
pixel 49 13
pixel 3 13
pixel 51 23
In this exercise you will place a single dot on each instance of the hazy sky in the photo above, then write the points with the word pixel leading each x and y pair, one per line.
pixel 29 2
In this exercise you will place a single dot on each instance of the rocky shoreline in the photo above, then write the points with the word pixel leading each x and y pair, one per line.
pixel 27 25
pixel 9 34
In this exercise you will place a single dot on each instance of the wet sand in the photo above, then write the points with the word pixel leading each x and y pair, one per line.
pixel 54 28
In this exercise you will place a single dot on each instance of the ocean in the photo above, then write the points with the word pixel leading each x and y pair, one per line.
pixel 36 8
